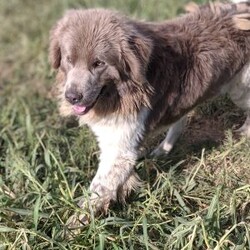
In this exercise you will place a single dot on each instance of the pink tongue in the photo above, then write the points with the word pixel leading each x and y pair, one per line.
pixel 79 109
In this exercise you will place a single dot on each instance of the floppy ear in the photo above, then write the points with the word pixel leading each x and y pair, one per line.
pixel 135 55
pixel 55 36
pixel 54 47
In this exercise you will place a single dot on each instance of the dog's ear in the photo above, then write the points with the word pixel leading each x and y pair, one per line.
pixel 54 47
pixel 135 56
pixel 55 37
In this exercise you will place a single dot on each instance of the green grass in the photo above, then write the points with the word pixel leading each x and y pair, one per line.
pixel 197 198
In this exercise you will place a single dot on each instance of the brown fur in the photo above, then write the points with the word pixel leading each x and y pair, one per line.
pixel 181 62
pixel 167 67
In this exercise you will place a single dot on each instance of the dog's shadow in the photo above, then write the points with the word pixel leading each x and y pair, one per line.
pixel 206 129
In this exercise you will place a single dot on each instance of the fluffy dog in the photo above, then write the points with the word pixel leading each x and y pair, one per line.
pixel 126 79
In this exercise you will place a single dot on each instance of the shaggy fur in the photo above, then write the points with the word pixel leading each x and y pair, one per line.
pixel 126 79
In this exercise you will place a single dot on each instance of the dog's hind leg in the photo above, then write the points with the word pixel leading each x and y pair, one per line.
pixel 239 91
pixel 239 88
pixel 172 135
pixel 245 129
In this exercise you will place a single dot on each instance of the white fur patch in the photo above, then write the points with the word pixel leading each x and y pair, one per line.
pixel 119 136
pixel 118 141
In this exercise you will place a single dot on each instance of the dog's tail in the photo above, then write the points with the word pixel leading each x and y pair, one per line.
pixel 238 9
pixel 242 20
pixel 240 1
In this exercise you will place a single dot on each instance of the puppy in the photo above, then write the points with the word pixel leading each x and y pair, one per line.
pixel 126 79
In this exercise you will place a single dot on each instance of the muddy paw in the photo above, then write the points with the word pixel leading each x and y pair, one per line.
pixel 75 224
pixel 77 221
pixel 94 206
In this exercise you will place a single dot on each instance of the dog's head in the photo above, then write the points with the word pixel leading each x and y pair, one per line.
pixel 103 59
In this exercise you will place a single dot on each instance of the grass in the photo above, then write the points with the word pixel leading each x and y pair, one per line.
pixel 197 198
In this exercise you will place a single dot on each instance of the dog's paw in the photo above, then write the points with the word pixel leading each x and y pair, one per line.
pixel 83 216
pixel 75 225
pixel 160 152
pixel 101 197
pixel 77 221
pixel 80 218
pixel 89 208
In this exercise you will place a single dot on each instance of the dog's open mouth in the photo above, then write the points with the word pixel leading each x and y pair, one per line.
pixel 80 109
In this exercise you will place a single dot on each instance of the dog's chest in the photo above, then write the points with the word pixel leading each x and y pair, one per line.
pixel 119 132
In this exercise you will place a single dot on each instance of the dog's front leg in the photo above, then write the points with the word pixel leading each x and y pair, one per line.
pixel 115 177
pixel 119 143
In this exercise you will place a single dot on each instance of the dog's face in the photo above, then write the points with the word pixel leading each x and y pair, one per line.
pixel 90 71
pixel 99 62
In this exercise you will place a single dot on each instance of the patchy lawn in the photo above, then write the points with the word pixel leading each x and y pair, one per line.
pixel 197 198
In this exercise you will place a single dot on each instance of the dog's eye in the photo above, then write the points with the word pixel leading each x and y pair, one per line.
pixel 98 63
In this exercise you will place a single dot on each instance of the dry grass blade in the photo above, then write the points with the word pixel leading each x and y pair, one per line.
pixel 198 198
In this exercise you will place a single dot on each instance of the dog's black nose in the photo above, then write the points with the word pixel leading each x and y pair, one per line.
pixel 72 96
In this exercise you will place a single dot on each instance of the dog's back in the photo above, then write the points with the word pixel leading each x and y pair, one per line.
pixel 215 41
pixel 200 53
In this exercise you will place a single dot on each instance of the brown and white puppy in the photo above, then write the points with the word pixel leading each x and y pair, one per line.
pixel 126 79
